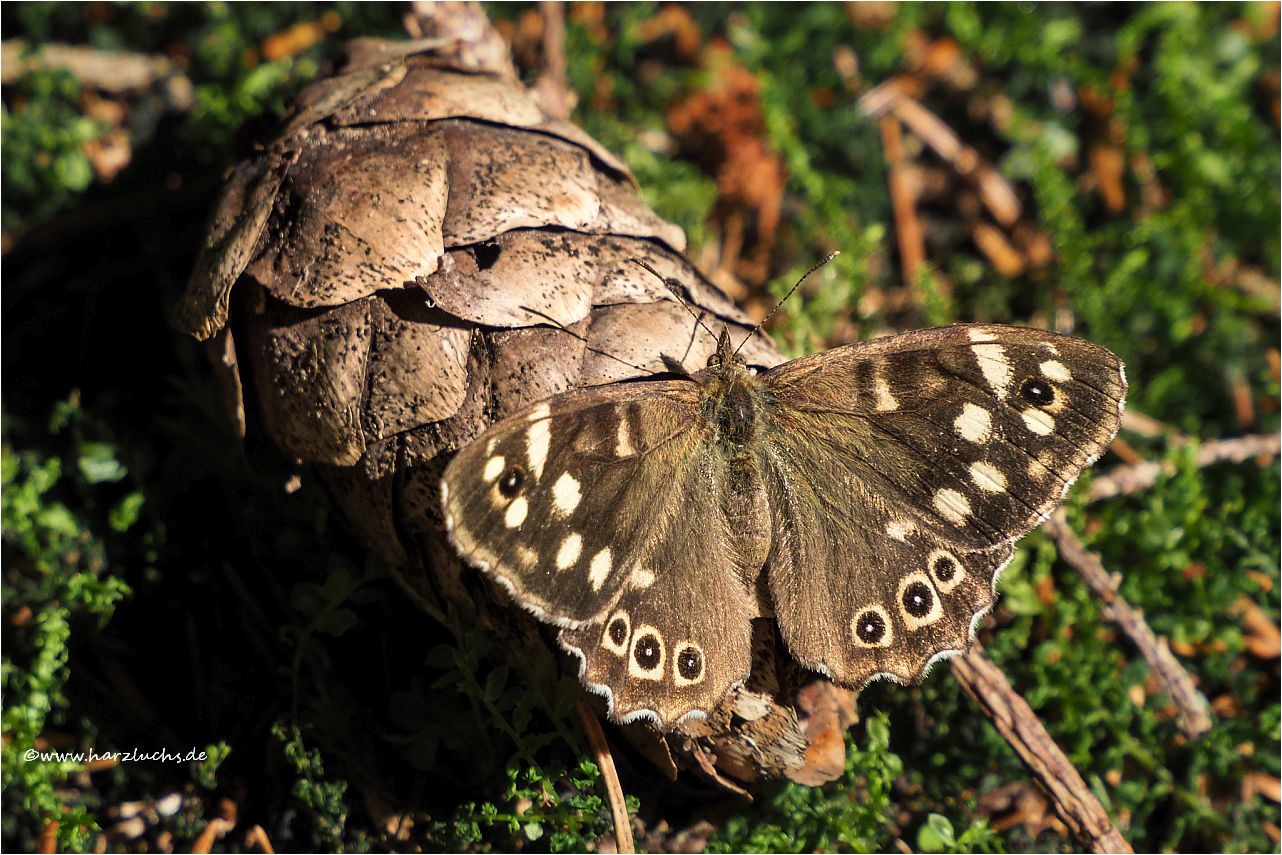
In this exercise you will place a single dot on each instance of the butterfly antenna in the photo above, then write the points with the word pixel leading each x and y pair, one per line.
pixel 677 290
pixel 818 264
pixel 563 328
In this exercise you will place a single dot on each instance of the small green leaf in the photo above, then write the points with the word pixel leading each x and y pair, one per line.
pixel 936 835
pixel 98 463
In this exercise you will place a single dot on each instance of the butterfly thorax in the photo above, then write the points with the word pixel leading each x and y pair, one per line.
pixel 731 394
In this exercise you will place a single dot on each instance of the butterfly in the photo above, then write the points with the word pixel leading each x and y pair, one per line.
pixel 865 498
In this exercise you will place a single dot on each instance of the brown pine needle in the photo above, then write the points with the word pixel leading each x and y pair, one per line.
pixel 614 790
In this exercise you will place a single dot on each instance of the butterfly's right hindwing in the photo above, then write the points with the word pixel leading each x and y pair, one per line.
pixel 593 510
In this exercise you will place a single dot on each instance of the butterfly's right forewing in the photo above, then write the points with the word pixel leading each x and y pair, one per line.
pixel 900 471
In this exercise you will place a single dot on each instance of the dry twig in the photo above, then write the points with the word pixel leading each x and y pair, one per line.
pixel 1134 478
pixel 1194 712
pixel 894 98
pixel 113 72
pixel 1011 714
pixel 613 789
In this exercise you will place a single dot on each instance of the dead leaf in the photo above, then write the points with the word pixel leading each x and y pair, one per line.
pixel 1260 783
pixel 1260 632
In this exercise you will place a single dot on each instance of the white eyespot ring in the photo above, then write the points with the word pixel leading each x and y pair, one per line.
pixel 646 653
pixel 946 571
pixel 872 627
pixel 690 665
pixel 918 601
pixel 617 633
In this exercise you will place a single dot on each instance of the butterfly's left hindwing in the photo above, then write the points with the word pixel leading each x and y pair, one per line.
pixel 901 470
pixel 593 510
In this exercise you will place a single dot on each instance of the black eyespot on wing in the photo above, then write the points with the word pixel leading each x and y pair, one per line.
pixel 918 599
pixel 871 627
pixel 512 481
pixel 646 652
pixel 618 631
pixel 1037 392
pixel 944 568
pixel 689 664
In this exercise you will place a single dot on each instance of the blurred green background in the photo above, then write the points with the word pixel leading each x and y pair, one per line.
pixel 163 589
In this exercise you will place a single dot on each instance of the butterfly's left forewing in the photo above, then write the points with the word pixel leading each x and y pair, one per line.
pixel 593 510
pixel 899 473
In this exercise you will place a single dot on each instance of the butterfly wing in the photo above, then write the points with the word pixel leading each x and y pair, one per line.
pixel 899 473
pixel 593 510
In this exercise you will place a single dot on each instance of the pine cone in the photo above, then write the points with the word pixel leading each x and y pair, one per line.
pixel 422 251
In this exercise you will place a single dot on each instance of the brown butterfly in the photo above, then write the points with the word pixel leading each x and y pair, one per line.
pixel 866 498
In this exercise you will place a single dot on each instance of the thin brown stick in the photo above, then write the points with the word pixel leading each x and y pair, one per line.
pixel 1130 479
pixel 114 72
pixel 1076 805
pixel 1133 421
pixel 912 244
pixel 614 790
pixel 1193 711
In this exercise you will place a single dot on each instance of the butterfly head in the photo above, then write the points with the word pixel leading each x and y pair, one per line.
pixel 725 354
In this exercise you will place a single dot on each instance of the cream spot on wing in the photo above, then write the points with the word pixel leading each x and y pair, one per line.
pixel 1040 467
pixel 987 477
pixel 565 493
pixel 539 413
pixel 899 530
pixel 885 401
pixel 569 551
pixel 995 367
pixel 974 423
pixel 526 557
pixel 600 568
pixel 641 578
pixel 538 439
pixel 978 334
pixel 1039 422
pixel 1055 371
pixel 493 468
pixel 515 514
pixel 1052 348
pixel 623 440
pixel 952 505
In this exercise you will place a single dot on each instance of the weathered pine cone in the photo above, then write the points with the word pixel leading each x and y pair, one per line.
pixel 422 251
